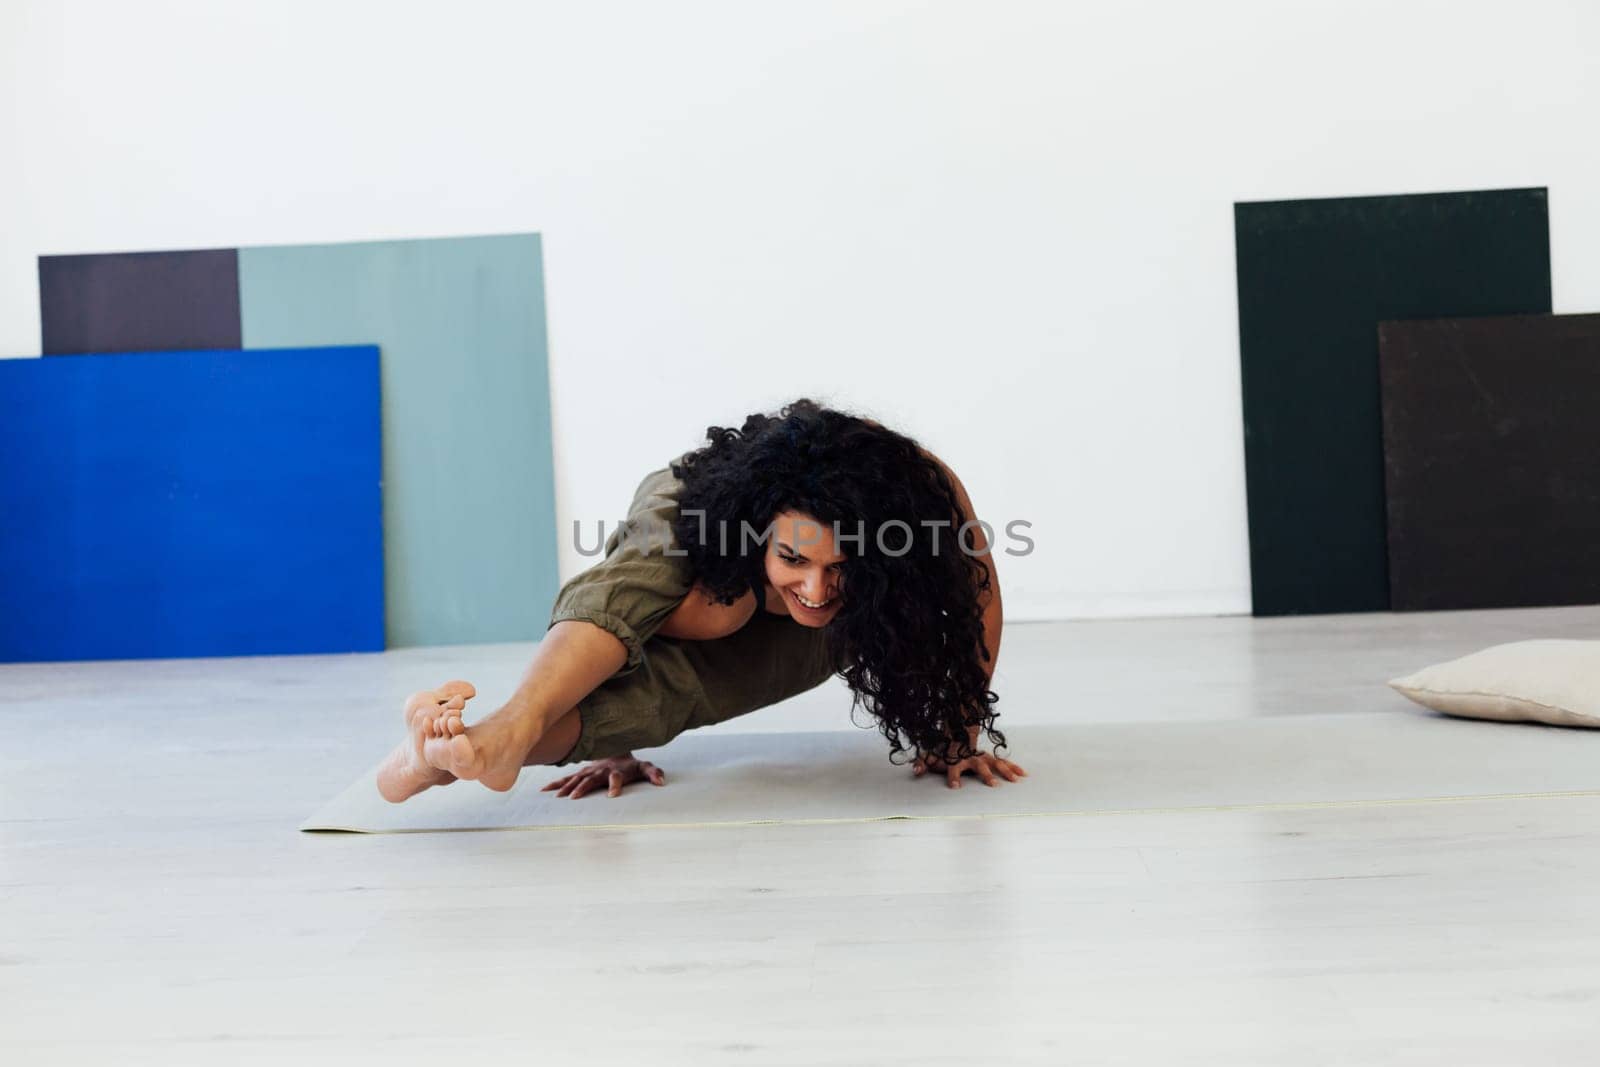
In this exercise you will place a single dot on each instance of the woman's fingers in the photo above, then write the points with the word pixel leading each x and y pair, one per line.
pixel 613 775
pixel 985 765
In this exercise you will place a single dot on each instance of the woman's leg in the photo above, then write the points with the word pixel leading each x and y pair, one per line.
pixel 539 724
pixel 556 742
pixel 540 720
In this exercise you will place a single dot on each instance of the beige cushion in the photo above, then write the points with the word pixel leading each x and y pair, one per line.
pixel 1555 682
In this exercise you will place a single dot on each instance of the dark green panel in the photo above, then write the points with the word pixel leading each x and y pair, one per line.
pixel 1315 279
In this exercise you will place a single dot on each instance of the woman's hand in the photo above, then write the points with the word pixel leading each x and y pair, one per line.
pixel 613 773
pixel 984 764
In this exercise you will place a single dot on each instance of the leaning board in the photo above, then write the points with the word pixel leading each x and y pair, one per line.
pixel 1492 461
pixel 139 301
pixel 469 502
pixel 190 504
pixel 1315 279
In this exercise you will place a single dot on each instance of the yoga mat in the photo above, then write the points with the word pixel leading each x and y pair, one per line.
pixel 1492 457
pixel 1086 769
pixel 469 495
pixel 190 504
pixel 1315 278
pixel 139 301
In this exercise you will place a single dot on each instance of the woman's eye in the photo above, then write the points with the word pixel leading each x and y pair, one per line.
pixel 789 559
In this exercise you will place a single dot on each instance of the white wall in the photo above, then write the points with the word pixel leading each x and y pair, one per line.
pixel 1005 228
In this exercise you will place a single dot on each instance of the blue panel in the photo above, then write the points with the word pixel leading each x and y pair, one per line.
pixel 190 504
pixel 469 501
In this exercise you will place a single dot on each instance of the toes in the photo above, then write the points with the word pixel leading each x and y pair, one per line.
pixel 451 695
pixel 420 701
pixel 440 722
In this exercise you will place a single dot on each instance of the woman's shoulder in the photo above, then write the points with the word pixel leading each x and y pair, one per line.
pixel 658 492
pixel 661 481
pixel 653 513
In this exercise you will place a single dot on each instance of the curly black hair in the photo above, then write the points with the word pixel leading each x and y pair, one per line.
pixel 910 626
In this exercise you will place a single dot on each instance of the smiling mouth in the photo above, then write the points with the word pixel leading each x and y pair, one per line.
pixel 812 605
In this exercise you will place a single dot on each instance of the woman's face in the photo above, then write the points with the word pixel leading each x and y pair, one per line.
pixel 804 565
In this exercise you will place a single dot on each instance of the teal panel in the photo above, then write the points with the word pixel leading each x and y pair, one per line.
pixel 469 496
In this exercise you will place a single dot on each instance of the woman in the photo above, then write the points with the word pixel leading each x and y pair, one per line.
pixel 802 545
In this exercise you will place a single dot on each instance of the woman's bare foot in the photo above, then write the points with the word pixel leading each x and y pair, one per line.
pixel 490 752
pixel 406 772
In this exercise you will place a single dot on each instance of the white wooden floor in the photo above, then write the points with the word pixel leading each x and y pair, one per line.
pixel 157 905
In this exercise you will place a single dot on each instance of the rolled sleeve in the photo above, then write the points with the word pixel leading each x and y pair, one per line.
pixel 642 579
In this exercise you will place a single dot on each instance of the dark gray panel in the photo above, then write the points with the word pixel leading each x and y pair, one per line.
pixel 1315 279
pixel 1492 458
pixel 139 301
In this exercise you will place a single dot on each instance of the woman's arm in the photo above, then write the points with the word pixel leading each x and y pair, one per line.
pixel 986 765
pixel 699 618
pixel 993 614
